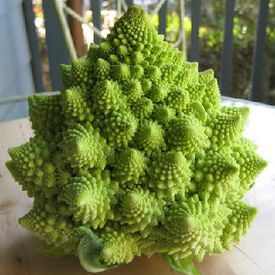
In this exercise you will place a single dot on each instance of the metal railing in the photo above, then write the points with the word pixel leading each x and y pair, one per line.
pixel 59 53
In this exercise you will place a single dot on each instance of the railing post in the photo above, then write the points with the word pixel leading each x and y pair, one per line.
pixel 162 18
pixel 195 41
pixel 57 50
pixel 96 6
pixel 259 51
pixel 34 45
pixel 129 2
pixel 227 49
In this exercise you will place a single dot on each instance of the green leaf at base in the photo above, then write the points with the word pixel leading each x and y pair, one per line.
pixel 89 250
pixel 185 266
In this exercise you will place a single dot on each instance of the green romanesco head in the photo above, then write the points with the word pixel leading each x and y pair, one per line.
pixel 136 156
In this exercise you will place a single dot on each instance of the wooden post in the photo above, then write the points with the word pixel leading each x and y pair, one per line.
pixel 76 28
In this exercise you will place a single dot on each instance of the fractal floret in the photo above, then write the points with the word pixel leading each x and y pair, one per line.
pixel 136 156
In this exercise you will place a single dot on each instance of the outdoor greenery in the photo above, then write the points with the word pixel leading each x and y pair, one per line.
pixel 211 34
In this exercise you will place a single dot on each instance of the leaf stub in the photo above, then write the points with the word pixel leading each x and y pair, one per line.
pixel 89 250
pixel 186 266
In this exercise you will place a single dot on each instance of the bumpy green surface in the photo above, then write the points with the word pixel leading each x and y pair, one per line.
pixel 136 156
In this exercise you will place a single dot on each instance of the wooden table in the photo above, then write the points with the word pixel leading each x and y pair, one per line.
pixel 255 254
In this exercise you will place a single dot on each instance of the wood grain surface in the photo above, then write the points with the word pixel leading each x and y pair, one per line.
pixel 255 255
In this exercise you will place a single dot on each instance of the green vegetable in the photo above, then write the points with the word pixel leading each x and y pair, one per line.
pixel 136 156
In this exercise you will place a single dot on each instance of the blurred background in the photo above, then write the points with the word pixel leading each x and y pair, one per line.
pixel 235 38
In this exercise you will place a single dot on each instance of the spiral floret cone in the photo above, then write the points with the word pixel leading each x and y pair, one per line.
pixel 136 156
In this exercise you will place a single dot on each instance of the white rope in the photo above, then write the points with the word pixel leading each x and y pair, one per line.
pixel 79 18
pixel 58 6
pixel 177 43
pixel 124 5
pixel 158 7
pixel 119 8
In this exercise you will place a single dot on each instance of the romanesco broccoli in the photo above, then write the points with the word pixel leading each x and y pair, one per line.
pixel 136 156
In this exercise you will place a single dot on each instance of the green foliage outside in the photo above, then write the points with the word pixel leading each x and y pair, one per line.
pixel 211 34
